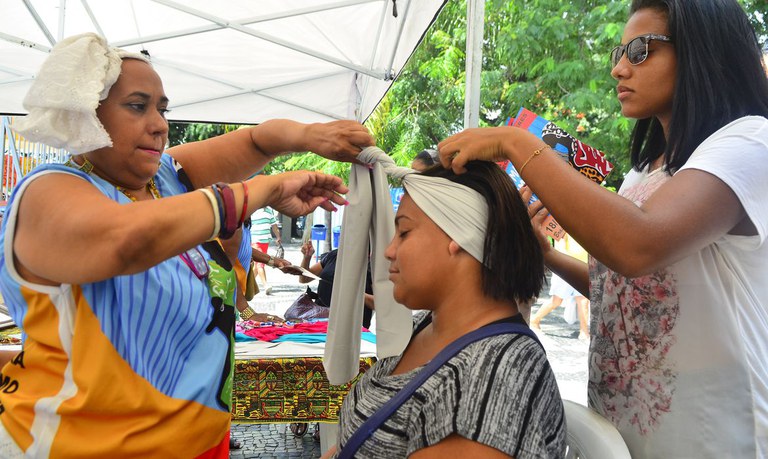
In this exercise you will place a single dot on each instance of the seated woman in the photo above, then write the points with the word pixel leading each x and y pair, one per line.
pixel 467 258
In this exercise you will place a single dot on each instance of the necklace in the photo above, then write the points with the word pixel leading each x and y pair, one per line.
pixel 192 257
pixel 87 167
pixel 152 189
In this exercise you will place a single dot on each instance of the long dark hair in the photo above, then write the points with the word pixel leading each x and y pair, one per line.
pixel 513 265
pixel 720 78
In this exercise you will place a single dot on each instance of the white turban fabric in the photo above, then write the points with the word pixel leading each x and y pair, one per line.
pixel 369 220
pixel 63 99
pixel 458 210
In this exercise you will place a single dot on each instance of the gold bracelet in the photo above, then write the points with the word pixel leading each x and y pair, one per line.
pixel 246 313
pixel 535 153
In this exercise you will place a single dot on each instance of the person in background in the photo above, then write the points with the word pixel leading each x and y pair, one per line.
pixel 560 290
pixel 263 228
pixel 127 311
pixel 424 160
pixel 765 58
pixel 678 358
pixel 325 269
pixel 239 250
pixel 464 254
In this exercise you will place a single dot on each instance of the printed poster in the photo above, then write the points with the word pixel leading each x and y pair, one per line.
pixel 587 160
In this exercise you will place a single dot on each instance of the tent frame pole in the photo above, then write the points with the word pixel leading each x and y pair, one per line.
pixel 474 63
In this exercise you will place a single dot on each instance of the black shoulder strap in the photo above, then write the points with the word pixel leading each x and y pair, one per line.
pixel 382 414
pixel 214 249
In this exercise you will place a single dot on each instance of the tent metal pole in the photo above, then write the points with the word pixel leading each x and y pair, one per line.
pixel 39 22
pixel 25 43
pixel 62 17
pixel 367 82
pixel 278 41
pixel 90 14
pixel 390 70
pixel 474 63
pixel 244 21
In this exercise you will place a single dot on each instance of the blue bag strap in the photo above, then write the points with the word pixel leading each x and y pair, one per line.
pixel 382 414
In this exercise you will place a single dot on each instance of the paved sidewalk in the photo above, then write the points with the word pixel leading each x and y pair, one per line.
pixel 567 355
pixel 273 441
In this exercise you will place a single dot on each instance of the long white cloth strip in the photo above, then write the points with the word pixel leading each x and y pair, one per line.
pixel 458 210
pixel 368 219
pixel 63 99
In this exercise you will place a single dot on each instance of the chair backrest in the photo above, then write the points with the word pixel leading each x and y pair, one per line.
pixel 591 436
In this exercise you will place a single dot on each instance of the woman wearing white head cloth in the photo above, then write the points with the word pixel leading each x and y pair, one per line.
pixel 465 252
pixel 127 319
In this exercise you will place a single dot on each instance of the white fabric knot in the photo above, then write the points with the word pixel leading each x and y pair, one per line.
pixel 63 99
pixel 375 155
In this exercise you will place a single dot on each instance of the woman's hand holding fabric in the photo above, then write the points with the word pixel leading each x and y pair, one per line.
pixel 292 270
pixel 300 192
pixel 282 264
pixel 338 140
pixel 485 144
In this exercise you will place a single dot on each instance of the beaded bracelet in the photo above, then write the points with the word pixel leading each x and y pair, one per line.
pixel 230 214
pixel 216 220
pixel 245 205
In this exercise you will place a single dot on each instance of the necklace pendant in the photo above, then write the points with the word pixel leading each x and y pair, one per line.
pixel 86 167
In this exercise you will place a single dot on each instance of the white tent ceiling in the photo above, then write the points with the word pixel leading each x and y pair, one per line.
pixel 232 61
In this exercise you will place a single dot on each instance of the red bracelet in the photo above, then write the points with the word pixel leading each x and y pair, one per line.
pixel 245 205
pixel 229 225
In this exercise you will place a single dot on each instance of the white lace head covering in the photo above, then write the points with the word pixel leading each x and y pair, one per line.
pixel 63 99
pixel 457 209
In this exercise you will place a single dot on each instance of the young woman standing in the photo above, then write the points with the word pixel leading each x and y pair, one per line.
pixel 679 260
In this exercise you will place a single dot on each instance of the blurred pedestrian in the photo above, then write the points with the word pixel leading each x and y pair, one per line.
pixel 263 228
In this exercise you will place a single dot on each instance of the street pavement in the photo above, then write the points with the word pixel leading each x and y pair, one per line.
pixel 566 353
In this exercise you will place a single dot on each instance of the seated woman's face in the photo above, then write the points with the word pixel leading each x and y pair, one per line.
pixel 418 256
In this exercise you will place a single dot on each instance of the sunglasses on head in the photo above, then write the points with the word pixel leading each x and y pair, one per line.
pixel 636 49
pixel 196 262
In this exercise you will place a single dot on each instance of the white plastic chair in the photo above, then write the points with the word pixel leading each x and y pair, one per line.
pixel 591 436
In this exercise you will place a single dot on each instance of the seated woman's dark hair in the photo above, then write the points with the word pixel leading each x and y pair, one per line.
pixel 513 265
pixel 720 78
pixel 426 157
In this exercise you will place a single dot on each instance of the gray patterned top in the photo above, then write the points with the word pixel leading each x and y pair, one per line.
pixel 499 391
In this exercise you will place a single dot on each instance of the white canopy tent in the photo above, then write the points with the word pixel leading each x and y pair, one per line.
pixel 233 61
pixel 242 61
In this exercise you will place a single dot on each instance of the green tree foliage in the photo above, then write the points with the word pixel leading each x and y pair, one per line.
pixel 549 56
pixel 546 55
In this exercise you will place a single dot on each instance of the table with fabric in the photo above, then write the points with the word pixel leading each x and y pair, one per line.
pixel 286 383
